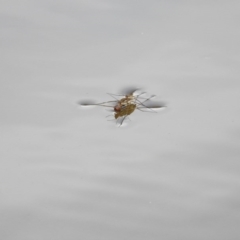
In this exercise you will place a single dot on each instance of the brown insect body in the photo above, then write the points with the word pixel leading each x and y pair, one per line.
pixel 125 111
pixel 125 106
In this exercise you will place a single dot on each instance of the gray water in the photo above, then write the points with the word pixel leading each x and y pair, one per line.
pixel 67 173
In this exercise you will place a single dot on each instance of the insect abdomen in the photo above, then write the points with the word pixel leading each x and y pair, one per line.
pixel 125 110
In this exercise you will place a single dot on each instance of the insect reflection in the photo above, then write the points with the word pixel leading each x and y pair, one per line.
pixel 127 104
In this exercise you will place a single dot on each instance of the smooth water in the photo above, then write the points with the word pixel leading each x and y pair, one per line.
pixel 67 173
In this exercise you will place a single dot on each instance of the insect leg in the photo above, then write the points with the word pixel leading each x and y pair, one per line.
pixel 103 104
pixel 123 120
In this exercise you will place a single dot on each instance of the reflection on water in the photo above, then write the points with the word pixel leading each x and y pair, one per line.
pixel 70 174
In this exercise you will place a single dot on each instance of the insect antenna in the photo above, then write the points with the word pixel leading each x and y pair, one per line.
pixel 143 105
pixel 138 96
pixel 112 95
pixel 146 99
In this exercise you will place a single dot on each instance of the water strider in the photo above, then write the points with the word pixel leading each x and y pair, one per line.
pixel 126 105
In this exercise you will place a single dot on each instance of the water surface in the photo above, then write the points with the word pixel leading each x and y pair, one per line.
pixel 67 172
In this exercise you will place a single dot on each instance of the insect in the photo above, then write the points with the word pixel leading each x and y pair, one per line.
pixel 127 104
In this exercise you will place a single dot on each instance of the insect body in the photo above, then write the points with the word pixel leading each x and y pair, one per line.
pixel 125 106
